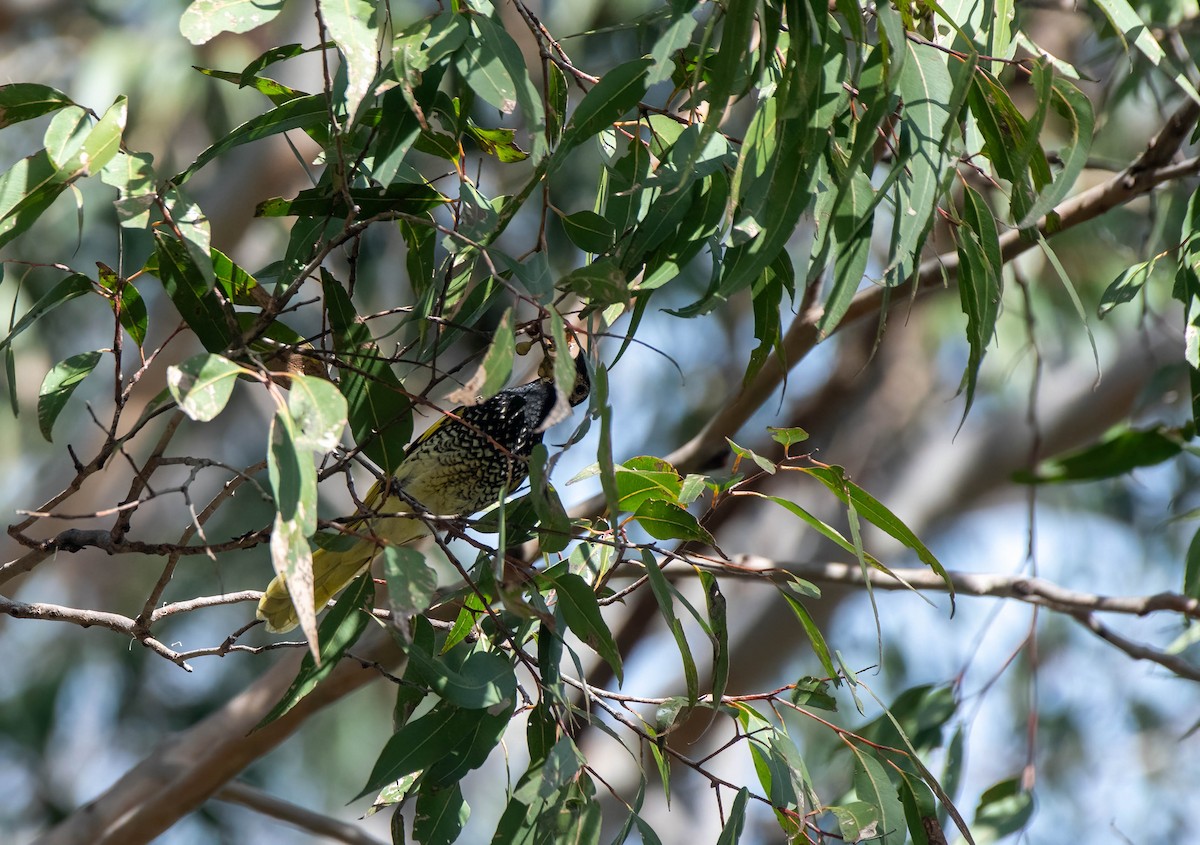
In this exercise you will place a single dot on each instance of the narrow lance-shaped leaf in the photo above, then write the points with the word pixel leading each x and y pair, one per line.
pixel 664 596
pixel 1130 26
pixel 834 478
pixel 379 411
pixel 493 373
pixel 617 92
pixel 58 386
pixel 73 286
pixel 578 604
pixel 339 631
pixel 351 26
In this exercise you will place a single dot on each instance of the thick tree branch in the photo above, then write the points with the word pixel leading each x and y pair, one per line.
pixel 185 770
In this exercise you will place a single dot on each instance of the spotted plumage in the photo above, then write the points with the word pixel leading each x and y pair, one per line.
pixel 462 464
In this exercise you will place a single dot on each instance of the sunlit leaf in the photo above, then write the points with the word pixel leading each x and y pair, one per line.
pixel 203 384
pixel 59 384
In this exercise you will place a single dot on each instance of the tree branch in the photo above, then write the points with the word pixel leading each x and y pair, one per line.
pixel 187 769
pixel 1151 169
pixel 1036 591
pixel 259 801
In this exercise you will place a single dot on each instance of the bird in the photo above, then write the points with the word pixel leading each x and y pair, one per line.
pixel 460 465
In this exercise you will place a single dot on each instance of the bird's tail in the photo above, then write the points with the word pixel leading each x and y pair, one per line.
pixel 334 570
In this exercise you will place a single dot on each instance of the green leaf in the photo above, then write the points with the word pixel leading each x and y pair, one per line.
pixel 581 612
pixel 1126 286
pixel 206 19
pixel 319 412
pixel 412 583
pixel 481 62
pixel 815 637
pixel 875 513
pixel 617 92
pixel 668 521
pixel 1191 575
pixel 731 833
pixel 788 436
pixel 294 483
pixel 554 525
pixel 203 384
pixel 1130 27
pixel 293 476
pixel 1076 111
pixel 497 72
pixel 421 743
pixel 857 821
pixel 600 283
pixel 104 140
pixel 27 190
pixel 340 629
pixel 59 384
pixel 1003 809
pixel 664 596
pixel 398 197
pixel 782 164
pixel 73 286
pixel 636 485
pixel 440 815
pixel 497 142
pixel 484 680
pixel 126 302
pixel 925 160
pixel 193 226
pixel 496 368
pixel 192 294
pixel 299 113
pixel 351 26
pixel 872 785
pixel 745 454
pixel 1117 454
pixel 813 692
pixel 676 36
pixel 979 293
pixel 132 174
pixel 26 100
pixel 715 604
pixel 849 237
pixel 589 231
pixel 379 411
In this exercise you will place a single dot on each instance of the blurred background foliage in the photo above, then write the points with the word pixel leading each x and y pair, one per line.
pixel 1105 741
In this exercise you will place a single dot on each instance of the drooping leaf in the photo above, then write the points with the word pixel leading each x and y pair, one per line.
pixel 582 614
pixel 351 25
pixel 664 596
pixel 495 370
pixel 379 411
pixel 59 384
pixel 192 294
pixel 298 113
pixel 340 630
